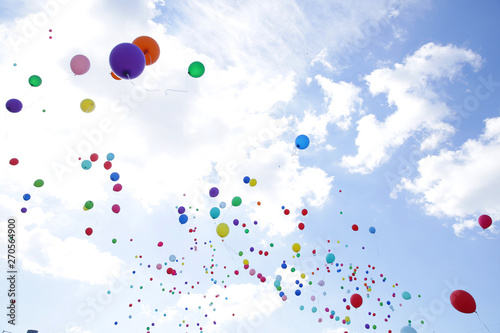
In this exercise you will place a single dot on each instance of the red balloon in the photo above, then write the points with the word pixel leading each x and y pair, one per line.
pixel 304 212
pixel 301 226
pixel 356 300
pixel 94 157
pixel 355 227
pixel 463 301
pixel 13 161
pixel 89 231
pixel 107 165
pixel 484 221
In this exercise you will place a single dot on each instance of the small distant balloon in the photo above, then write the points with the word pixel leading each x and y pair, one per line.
pixel 87 105
pixel 196 69
pixel 330 257
pixel 89 204
pixel 408 329
pixel 80 64
pixel 35 80
pixel 38 183
pixel 253 182
pixel 296 247
pixel 406 295
pixel 26 197
pixel 114 176
pixel 14 105
pixel 158 266
pixel 115 208
pixel 246 179
pixel 183 218
pixel 110 156
pixel 236 201
pixel 222 230
pixel 484 221
pixel 302 141
pixel 214 191
pixel 172 258
pixel 14 161
pixel 114 76
pixel 89 231
pixel 117 187
pixel 372 230
pixel 355 227
pixel 214 212
pixel 86 165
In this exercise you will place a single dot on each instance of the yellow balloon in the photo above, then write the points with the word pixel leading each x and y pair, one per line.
pixel 222 230
pixel 245 262
pixel 87 105
pixel 253 182
pixel 84 208
pixel 296 247
pixel 303 275
pixel 347 319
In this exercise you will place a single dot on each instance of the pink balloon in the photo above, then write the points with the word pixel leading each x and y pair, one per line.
pixel 80 64
pixel 252 271
pixel 284 298
pixel 484 221
pixel 158 266
pixel 115 209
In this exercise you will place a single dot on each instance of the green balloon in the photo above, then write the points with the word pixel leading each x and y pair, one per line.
pixel 114 242
pixel 89 204
pixel 196 69
pixel 35 80
pixel 236 201
pixel 38 183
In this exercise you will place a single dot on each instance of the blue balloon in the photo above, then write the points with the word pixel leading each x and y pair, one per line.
pixel 408 329
pixel 26 197
pixel 302 141
pixel 330 257
pixel 281 294
pixel 372 230
pixel 278 277
pixel 183 218
pixel 297 292
pixel 114 176
pixel 214 212
pixel 110 156
pixel 127 61
pixel 246 180
pixel 86 165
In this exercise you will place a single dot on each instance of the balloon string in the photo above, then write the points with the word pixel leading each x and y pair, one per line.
pixel 482 321
pixel 130 79
pixel 150 59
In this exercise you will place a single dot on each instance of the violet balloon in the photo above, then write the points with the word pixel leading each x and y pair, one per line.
pixel 80 64
pixel 14 105
pixel 127 60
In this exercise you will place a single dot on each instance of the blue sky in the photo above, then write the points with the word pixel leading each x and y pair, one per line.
pixel 400 100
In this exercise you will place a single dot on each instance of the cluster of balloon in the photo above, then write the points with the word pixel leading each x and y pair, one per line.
pixel 128 60
pixel 250 181
pixel 117 187
pixel 27 196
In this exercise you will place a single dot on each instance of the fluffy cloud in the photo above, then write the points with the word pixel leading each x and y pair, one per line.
pixel 418 108
pixel 461 184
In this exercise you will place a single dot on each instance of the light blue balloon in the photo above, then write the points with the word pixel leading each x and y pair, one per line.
pixel 408 329
pixel 222 205
pixel 110 156
pixel 278 277
pixel 302 141
pixel 277 283
pixel 301 307
pixel 171 258
pixel 330 257
pixel 372 230
pixel 406 295
pixel 215 212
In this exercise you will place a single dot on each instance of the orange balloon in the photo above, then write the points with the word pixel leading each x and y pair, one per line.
pixel 150 48
pixel 114 76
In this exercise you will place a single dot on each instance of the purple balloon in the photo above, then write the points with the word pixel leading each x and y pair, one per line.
pixel 14 105
pixel 127 60
pixel 214 191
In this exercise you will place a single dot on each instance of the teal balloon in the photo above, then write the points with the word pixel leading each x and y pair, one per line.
pixel 406 295
pixel 408 329
pixel 330 257
pixel 277 283
pixel 215 212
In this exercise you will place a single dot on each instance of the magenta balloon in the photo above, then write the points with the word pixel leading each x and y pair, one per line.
pixel 127 61
pixel 80 64
pixel 484 221
pixel 14 105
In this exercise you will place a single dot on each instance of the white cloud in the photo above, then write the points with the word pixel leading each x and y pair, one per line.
pixel 461 184
pixel 418 108
pixel 71 258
